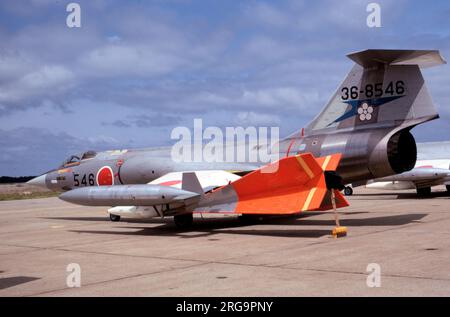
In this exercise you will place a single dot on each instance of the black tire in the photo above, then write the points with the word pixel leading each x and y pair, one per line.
pixel 424 192
pixel 184 221
pixel 448 188
pixel 348 191
pixel 114 218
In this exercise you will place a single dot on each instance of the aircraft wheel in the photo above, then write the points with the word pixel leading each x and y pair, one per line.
pixel 348 191
pixel 424 192
pixel 114 218
pixel 184 221
pixel 448 188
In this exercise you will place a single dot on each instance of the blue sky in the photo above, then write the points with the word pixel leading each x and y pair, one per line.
pixel 137 69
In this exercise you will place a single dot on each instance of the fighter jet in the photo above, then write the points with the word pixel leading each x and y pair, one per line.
pixel 432 169
pixel 289 186
pixel 367 120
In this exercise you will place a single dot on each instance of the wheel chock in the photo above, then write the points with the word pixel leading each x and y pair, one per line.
pixel 339 232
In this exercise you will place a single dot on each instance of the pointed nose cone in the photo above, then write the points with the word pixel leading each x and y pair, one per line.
pixel 38 181
pixel 79 196
pixel 69 196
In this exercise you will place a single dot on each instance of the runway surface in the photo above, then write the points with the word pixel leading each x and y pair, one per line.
pixel 408 238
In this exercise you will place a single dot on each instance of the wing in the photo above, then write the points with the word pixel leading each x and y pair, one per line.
pixel 289 186
pixel 208 179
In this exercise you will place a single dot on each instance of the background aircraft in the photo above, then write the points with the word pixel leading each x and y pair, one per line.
pixel 368 120
pixel 432 169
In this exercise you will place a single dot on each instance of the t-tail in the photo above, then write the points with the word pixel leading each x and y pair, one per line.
pixel 369 117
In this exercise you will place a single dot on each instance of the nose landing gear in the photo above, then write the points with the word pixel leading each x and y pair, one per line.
pixel 348 191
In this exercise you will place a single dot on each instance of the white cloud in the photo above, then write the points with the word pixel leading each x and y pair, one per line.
pixel 47 81
pixel 103 139
pixel 251 118
pixel 275 99
pixel 266 14
pixel 31 151
pixel 282 96
pixel 13 64
pixel 126 60
pixel 266 48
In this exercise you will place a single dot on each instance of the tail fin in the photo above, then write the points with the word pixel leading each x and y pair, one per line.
pixel 384 88
pixel 298 184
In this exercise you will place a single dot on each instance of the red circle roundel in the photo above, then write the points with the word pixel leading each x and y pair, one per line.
pixel 105 176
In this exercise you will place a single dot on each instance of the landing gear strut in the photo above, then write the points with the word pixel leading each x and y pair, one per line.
pixel 334 182
pixel 114 218
pixel 183 221
pixel 424 191
pixel 338 231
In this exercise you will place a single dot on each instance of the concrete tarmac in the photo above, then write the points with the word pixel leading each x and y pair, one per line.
pixel 409 238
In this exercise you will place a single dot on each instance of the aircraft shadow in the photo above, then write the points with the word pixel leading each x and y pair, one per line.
pixel 7 282
pixel 106 219
pixel 208 227
pixel 267 219
pixel 404 195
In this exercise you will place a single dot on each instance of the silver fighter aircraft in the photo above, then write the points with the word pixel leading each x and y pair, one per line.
pixel 367 120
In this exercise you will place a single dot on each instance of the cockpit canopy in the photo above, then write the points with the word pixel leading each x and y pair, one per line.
pixel 76 159
pixel 88 154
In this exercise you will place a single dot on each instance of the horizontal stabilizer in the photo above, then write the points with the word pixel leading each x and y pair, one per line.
pixel 374 57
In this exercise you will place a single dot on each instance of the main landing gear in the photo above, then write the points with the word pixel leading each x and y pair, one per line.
pixel 114 218
pixel 424 191
pixel 183 221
